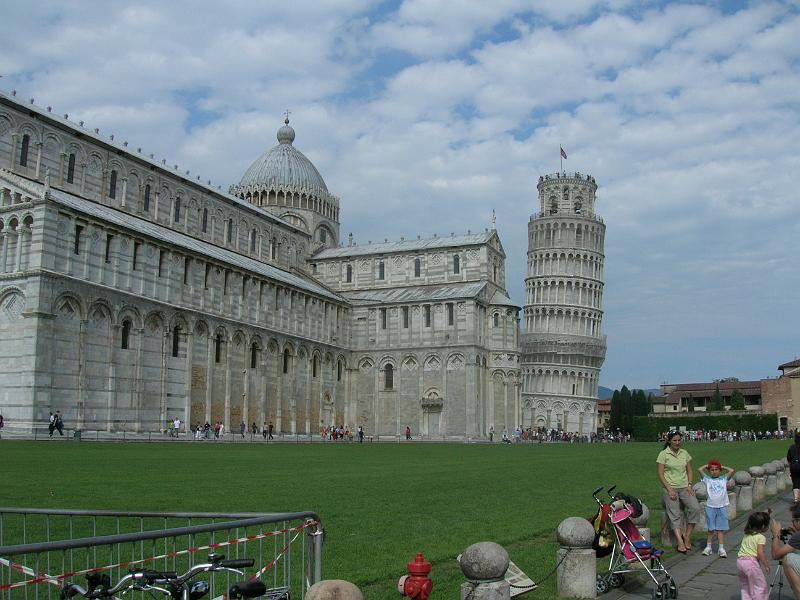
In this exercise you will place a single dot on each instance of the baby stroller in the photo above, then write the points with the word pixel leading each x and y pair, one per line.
pixel 630 552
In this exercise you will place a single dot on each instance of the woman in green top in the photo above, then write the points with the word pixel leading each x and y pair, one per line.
pixel 677 494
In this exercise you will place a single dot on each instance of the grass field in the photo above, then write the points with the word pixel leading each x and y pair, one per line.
pixel 379 503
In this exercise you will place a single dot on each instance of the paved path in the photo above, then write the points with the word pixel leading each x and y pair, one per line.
pixel 709 577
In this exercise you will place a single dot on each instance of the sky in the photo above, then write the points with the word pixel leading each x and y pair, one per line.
pixel 424 116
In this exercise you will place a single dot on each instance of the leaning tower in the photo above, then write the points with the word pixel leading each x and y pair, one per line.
pixel 562 344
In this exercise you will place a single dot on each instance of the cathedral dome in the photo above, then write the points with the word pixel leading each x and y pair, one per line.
pixel 284 166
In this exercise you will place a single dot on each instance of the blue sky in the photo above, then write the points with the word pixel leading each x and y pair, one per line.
pixel 425 115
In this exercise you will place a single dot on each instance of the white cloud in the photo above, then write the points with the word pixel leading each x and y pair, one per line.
pixel 426 118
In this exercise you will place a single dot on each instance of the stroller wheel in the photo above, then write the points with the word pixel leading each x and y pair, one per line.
pixel 615 580
pixel 673 588
pixel 602 585
pixel 661 592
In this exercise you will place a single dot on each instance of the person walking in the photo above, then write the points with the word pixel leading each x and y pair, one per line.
pixel 242 427
pixel 270 430
pixel 52 424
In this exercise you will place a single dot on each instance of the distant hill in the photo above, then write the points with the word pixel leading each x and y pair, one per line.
pixel 605 393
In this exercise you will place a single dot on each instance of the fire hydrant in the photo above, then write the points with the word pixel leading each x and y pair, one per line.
pixel 416 584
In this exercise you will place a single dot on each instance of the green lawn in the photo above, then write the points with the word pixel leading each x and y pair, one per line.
pixel 380 503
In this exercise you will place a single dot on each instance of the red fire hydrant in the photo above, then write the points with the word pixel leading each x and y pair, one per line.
pixel 416 584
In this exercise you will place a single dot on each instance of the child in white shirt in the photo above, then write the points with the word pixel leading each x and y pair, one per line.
pixel 717 504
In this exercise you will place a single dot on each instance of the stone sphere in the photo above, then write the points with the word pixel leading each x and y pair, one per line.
pixel 641 520
pixel 575 532
pixel 731 484
pixel 756 471
pixel 778 465
pixel 487 561
pixel 742 478
pixel 700 491
pixel 769 468
pixel 334 589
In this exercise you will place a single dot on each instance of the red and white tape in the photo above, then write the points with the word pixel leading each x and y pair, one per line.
pixel 38 578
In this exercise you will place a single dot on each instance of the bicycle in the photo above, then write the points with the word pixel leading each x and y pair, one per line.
pixel 169 583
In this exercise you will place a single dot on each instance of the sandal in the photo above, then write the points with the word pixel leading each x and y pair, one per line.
pixel 682 550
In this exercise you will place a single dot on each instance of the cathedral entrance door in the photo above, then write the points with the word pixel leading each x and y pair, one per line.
pixel 433 423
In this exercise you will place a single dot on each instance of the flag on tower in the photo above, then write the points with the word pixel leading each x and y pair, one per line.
pixel 563 154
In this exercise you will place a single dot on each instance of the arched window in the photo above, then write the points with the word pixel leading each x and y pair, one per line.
pixel 218 348
pixel 553 205
pixel 126 334
pixel 349 277
pixel 253 240
pixel 273 250
pixel 230 230
pixel 253 355
pixel 112 184
pixel 496 320
pixel 456 264
pixel 578 206
pixel 339 371
pixel 286 356
pixel 176 339
pixel 23 152
pixel 147 198
pixel 71 168
pixel 323 235
pixel 450 313
pixel 417 267
pixel 314 366
pixel 427 313
pixel 177 210
pixel 388 379
pixel 381 270
pixel 205 220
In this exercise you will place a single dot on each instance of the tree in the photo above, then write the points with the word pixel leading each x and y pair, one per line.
pixel 626 406
pixel 716 401
pixel 615 418
pixel 690 404
pixel 737 400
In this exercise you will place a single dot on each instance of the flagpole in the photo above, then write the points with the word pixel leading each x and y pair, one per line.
pixel 561 157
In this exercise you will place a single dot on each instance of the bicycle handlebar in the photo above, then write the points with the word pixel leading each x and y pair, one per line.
pixel 149 577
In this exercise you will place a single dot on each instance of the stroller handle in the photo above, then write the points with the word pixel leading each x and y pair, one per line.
pixel 611 489
pixel 597 491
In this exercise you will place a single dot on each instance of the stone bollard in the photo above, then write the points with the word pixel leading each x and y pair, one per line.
pixel 787 475
pixel 701 493
pixel 744 491
pixel 759 484
pixel 484 564
pixel 334 589
pixel 577 563
pixel 779 468
pixel 731 506
pixel 771 479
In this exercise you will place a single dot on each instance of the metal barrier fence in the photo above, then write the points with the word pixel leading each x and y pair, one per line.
pixel 54 547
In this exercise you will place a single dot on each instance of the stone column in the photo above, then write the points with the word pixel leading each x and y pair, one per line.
pixel 484 564
pixel 228 374
pixel 771 480
pixel 744 491
pixel 759 484
pixel 187 403
pixel 577 563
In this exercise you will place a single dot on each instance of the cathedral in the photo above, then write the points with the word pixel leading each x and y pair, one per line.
pixel 132 293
